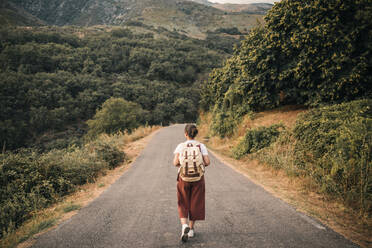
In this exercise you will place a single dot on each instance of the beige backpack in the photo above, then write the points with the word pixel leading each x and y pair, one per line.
pixel 192 164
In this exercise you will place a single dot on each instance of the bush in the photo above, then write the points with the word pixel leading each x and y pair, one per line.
pixel 30 181
pixel 24 188
pixel 334 146
pixel 256 139
pixel 115 115
pixel 108 153
pixel 297 57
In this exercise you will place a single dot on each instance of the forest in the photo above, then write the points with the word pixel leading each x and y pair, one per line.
pixel 52 80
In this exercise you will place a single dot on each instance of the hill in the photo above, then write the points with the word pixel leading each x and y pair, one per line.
pixel 254 8
pixel 53 79
pixel 300 58
pixel 11 14
pixel 191 18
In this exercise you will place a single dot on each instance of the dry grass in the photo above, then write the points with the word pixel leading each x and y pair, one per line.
pixel 286 115
pixel 300 191
pixel 49 218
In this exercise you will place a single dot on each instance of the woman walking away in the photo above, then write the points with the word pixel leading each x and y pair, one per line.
pixel 191 157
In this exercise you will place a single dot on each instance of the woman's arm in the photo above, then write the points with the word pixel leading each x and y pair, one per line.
pixel 206 160
pixel 176 160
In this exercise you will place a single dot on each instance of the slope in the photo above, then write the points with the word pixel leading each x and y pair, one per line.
pixel 189 17
pixel 10 14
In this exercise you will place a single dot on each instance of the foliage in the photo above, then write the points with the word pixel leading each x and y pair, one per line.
pixel 71 207
pixel 334 146
pixel 107 151
pixel 232 31
pixel 256 139
pixel 51 80
pixel 30 180
pixel 115 115
pixel 310 53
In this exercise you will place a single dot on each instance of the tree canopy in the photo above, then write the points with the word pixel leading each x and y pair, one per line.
pixel 308 53
pixel 116 115
pixel 53 79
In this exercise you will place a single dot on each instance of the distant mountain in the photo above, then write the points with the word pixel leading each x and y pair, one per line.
pixel 11 14
pixel 193 18
pixel 253 8
pixel 205 2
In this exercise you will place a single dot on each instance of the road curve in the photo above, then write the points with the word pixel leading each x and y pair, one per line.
pixel 140 210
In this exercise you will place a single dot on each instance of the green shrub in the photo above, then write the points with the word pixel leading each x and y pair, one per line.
pixel 256 139
pixel 334 147
pixel 23 188
pixel 30 181
pixel 223 124
pixel 280 154
pixel 108 153
pixel 115 115
pixel 78 166
pixel 296 57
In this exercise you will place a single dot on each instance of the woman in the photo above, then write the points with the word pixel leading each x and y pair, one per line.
pixel 191 195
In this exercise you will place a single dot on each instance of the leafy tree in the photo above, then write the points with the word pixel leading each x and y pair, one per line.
pixel 309 53
pixel 52 81
pixel 115 115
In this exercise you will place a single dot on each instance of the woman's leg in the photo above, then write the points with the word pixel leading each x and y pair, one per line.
pixel 183 221
pixel 197 201
pixel 183 195
pixel 191 224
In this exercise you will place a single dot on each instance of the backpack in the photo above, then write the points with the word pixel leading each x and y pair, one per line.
pixel 192 163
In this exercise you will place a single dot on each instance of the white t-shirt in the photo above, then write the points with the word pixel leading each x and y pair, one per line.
pixel 203 149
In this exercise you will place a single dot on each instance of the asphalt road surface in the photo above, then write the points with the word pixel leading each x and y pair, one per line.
pixel 140 210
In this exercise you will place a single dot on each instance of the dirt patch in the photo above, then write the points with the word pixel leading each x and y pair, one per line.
pixel 286 115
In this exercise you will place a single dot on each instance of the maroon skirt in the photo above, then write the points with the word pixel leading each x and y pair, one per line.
pixel 191 199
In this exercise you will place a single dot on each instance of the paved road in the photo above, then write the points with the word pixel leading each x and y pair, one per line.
pixel 140 210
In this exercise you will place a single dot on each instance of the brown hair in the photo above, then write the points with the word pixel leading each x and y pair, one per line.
pixel 191 130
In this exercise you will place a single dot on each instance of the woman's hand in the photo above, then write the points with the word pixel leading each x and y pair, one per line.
pixel 206 160
pixel 176 160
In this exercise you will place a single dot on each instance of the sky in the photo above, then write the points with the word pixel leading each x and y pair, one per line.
pixel 243 1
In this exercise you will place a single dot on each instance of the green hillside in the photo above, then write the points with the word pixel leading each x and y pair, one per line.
pixel 191 18
pixel 317 56
pixel 54 78
pixel 297 57
pixel 253 8
pixel 10 14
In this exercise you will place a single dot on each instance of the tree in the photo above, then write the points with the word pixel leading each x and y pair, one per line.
pixel 308 53
pixel 115 115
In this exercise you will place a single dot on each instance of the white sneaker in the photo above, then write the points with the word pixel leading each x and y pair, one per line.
pixel 191 233
pixel 185 231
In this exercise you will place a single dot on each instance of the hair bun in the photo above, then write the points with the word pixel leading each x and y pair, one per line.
pixel 191 130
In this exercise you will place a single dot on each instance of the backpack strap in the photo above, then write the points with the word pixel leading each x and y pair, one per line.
pixel 195 169
pixel 198 145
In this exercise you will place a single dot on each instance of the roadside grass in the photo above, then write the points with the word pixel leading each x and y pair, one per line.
pixel 48 218
pixel 285 180
pixel 72 207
